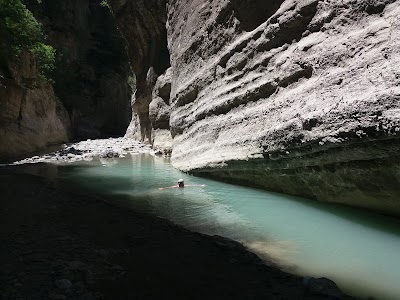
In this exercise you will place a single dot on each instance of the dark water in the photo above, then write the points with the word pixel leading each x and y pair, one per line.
pixel 360 251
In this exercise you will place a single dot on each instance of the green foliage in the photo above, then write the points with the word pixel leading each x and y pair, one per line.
pixel 19 30
pixel 104 3
pixel 19 25
pixel 45 59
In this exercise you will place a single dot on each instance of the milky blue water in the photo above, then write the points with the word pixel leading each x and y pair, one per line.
pixel 360 251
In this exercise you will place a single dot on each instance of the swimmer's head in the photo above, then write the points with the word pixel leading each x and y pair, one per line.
pixel 181 183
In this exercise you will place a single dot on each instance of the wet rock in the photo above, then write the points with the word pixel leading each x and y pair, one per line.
pixel 109 154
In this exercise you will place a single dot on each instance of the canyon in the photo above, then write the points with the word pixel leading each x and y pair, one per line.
pixel 297 97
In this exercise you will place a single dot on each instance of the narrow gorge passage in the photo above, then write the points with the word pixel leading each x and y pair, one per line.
pixel 299 98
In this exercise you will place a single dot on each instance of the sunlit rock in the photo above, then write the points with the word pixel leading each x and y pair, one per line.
pixel 298 97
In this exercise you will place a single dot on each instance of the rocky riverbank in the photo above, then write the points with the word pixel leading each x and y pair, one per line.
pixel 87 150
pixel 59 245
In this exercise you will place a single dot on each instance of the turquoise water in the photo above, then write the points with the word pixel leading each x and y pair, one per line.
pixel 360 251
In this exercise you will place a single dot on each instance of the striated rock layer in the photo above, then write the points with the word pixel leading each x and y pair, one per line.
pixel 299 97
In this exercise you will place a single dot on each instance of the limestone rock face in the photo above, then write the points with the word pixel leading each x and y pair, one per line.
pixel 159 109
pixel 92 66
pixel 31 117
pixel 299 97
pixel 306 102
pixel 143 25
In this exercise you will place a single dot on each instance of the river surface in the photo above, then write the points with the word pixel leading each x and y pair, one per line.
pixel 359 250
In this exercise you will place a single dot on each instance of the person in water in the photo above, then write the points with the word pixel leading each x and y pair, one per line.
pixel 181 184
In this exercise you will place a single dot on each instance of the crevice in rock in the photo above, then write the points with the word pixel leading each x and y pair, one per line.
pixel 189 96
pixel 289 31
pixel 252 13
pixel 165 92
pixel 309 124
pixel 262 91
pixel 21 107
pixel 296 76
pixel 375 7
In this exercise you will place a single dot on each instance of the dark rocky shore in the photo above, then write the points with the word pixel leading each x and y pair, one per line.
pixel 59 245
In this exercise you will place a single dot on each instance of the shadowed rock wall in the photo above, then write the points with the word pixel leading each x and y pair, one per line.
pixel 300 97
pixel 90 97
pixel 31 116
pixel 92 66
pixel 142 23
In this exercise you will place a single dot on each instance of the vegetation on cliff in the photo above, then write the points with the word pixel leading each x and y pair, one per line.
pixel 20 31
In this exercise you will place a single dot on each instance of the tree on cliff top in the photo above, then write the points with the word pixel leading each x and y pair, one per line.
pixel 20 31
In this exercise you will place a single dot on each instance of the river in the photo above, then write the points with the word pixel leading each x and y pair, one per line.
pixel 357 249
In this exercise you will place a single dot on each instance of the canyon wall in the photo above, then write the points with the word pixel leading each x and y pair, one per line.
pixel 92 66
pixel 31 116
pixel 87 96
pixel 142 23
pixel 299 97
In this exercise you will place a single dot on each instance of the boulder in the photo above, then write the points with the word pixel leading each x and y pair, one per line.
pixel 109 154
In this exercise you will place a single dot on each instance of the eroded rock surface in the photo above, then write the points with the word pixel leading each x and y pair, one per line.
pixel 143 25
pixel 305 104
pixel 159 112
pixel 300 97
pixel 31 116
